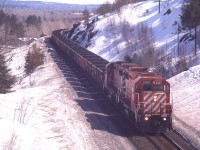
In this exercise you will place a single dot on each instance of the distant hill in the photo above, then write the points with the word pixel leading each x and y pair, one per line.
pixel 39 5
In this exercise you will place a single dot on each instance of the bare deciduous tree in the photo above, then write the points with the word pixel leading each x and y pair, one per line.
pixel 142 50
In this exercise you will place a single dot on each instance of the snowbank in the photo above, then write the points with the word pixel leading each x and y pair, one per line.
pixel 186 96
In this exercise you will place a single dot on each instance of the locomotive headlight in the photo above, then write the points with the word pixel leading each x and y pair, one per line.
pixel 155 98
pixel 146 118
pixel 164 119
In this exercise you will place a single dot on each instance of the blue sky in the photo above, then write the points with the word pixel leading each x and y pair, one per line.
pixel 77 1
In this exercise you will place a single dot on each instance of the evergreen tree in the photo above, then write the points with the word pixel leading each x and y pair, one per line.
pixel 191 17
pixel 6 79
pixel 191 14
pixel 34 21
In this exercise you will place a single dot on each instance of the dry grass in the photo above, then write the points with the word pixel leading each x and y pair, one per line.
pixel 11 143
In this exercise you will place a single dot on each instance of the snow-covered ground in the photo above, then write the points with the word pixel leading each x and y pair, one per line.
pixel 186 97
pixel 42 111
pixel 35 114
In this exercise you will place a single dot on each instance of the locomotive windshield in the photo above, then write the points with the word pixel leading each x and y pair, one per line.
pixel 154 86
pixel 157 85
pixel 147 86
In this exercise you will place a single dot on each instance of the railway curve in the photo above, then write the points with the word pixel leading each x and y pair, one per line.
pixel 94 92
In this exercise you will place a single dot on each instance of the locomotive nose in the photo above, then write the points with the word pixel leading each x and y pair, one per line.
pixel 153 102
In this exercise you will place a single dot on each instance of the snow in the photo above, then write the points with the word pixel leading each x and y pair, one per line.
pixel 41 111
pixel 116 30
pixel 35 112
pixel 186 96
pixel 110 43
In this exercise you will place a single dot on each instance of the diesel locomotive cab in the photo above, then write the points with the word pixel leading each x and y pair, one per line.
pixel 152 99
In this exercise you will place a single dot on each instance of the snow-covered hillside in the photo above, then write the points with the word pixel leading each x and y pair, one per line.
pixel 112 35
pixel 41 112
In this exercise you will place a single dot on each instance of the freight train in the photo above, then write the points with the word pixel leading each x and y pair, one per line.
pixel 143 96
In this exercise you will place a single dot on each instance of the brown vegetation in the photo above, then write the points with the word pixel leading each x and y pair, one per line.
pixel 34 58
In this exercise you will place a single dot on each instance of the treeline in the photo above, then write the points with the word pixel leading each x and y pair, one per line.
pixel 108 7
pixel 34 23
pixel 10 27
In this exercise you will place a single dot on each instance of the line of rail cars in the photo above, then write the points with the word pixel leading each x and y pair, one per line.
pixel 143 96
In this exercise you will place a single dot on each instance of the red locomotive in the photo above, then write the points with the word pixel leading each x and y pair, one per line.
pixel 144 96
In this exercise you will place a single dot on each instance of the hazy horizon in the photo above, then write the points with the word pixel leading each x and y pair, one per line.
pixel 74 1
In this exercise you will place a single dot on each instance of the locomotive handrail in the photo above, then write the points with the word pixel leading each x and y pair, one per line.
pixel 171 99
pixel 137 109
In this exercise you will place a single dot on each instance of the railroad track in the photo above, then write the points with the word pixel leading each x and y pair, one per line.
pixel 178 139
pixel 86 88
pixel 162 142
pixel 176 145
pixel 170 140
